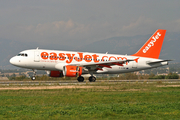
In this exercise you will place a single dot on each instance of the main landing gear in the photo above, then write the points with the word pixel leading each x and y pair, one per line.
pixel 80 79
pixel 33 76
pixel 91 79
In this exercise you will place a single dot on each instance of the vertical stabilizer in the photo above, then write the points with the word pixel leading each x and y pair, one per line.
pixel 152 47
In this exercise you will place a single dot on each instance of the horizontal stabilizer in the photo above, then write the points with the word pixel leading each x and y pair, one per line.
pixel 154 62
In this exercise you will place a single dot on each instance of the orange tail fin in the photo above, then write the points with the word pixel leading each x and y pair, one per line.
pixel 152 47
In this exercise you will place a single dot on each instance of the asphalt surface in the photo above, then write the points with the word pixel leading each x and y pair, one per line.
pixel 71 82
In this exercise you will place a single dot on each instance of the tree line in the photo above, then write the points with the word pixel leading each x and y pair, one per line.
pixel 126 76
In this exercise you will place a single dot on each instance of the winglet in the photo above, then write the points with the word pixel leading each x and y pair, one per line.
pixel 152 47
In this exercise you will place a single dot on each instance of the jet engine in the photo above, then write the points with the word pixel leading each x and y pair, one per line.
pixel 72 71
pixel 68 71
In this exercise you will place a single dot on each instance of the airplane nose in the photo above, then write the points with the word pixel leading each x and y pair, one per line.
pixel 13 61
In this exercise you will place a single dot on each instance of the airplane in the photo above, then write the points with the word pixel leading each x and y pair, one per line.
pixel 75 64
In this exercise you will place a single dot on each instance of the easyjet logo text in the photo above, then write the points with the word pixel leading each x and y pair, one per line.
pixel 152 42
pixel 68 57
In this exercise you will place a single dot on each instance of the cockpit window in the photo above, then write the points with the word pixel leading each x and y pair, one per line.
pixel 22 54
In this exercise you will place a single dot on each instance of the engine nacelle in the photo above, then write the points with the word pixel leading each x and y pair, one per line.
pixel 56 74
pixel 72 71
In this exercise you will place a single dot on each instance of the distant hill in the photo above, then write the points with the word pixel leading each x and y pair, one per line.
pixel 114 45
pixel 130 45
pixel 117 45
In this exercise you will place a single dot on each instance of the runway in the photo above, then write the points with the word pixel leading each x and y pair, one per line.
pixel 74 82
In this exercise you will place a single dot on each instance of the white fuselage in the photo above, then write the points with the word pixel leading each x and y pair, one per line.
pixel 54 60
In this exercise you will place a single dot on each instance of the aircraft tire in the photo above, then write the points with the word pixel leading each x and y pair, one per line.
pixel 80 79
pixel 92 79
pixel 33 78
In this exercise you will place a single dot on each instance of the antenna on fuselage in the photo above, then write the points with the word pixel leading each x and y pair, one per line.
pixel 37 48
pixel 107 52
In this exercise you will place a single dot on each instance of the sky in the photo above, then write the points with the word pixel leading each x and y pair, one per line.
pixel 80 22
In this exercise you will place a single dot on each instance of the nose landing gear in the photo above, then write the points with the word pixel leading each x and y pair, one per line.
pixel 33 77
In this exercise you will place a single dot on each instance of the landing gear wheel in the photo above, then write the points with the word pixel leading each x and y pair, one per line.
pixel 33 78
pixel 34 74
pixel 80 79
pixel 92 79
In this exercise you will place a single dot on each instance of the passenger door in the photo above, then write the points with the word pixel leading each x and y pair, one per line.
pixel 36 56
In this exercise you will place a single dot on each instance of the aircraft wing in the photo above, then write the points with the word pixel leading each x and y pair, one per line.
pixel 102 64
